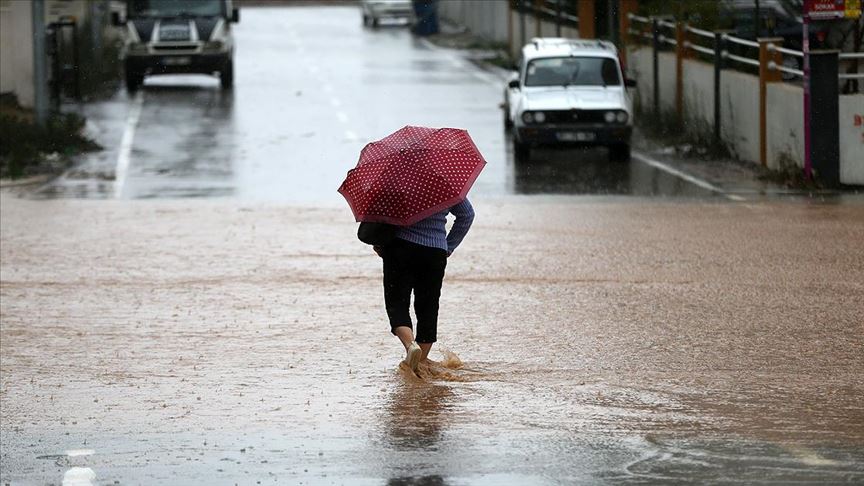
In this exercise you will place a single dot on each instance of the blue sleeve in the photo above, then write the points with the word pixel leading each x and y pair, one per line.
pixel 464 213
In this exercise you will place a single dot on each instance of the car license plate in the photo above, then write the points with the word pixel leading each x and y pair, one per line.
pixel 576 136
pixel 177 61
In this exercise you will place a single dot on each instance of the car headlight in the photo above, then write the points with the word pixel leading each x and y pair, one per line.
pixel 539 117
pixel 609 116
pixel 137 48
pixel 528 117
pixel 214 46
pixel 622 117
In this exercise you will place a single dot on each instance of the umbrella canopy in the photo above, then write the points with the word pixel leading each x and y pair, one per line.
pixel 412 174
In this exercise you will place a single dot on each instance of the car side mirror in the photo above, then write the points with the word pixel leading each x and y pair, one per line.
pixel 235 15
pixel 115 19
pixel 514 84
pixel 630 83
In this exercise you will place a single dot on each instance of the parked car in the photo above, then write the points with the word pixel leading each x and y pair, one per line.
pixel 569 92
pixel 375 10
pixel 178 36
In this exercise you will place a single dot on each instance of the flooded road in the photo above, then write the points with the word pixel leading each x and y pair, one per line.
pixel 210 342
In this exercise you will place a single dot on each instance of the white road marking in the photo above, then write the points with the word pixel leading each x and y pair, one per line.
pixel 328 88
pixel 687 177
pixel 335 102
pixel 123 158
pixel 342 117
pixel 351 136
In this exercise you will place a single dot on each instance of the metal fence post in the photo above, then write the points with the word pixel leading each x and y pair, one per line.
pixel 767 75
pixel 825 116
pixel 40 62
pixel 719 61
pixel 655 62
pixel 680 55
pixel 521 23
pixel 558 18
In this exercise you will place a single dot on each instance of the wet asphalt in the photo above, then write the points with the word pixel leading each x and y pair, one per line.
pixel 211 319
pixel 314 86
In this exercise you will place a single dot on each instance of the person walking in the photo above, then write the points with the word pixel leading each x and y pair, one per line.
pixel 415 261
pixel 401 192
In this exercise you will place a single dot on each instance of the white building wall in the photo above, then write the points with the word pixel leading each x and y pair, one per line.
pixel 16 50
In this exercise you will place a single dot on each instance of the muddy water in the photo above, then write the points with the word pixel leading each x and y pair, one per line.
pixel 592 341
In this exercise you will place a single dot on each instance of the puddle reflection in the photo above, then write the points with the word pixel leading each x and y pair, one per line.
pixel 589 171
pixel 417 413
pixel 418 481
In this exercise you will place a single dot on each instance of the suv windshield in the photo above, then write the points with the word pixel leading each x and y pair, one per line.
pixel 573 71
pixel 175 8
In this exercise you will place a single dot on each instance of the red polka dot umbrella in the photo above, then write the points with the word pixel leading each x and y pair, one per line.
pixel 412 174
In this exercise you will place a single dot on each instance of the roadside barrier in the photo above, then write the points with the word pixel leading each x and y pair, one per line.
pixel 765 58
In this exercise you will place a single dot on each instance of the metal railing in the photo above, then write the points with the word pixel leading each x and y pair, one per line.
pixel 694 34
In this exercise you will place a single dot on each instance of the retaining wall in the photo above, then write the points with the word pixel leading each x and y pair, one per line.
pixel 16 50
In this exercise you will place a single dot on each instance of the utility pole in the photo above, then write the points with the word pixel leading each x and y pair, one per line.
pixel 40 62
pixel 805 44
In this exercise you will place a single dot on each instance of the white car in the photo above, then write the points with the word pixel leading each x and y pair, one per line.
pixel 375 10
pixel 569 92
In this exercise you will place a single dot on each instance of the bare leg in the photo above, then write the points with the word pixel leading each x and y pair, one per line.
pixel 406 335
pixel 426 347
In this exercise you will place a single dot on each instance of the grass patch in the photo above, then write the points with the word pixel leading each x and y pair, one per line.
pixel 696 136
pixel 27 149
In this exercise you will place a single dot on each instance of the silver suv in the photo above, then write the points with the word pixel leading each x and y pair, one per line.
pixel 569 92
pixel 178 36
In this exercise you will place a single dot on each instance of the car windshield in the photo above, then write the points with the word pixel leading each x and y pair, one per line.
pixel 175 8
pixel 573 71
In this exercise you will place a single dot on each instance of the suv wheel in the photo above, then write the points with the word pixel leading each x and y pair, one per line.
pixel 619 153
pixel 134 79
pixel 226 75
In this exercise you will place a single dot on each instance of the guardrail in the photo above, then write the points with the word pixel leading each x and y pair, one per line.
pixel 765 57
pixel 789 57
pixel 561 12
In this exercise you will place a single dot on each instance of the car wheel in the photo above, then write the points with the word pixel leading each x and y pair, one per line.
pixel 619 153
pixel 521 151
pixel 365 19
pixel 508 123
pixel 134 80
pixel 226 75
pixel 375 22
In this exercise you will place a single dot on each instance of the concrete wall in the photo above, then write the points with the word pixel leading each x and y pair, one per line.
pixel 739 98
pixel 852 139
pixel 699 95
pixel 16 50
pixel 785 126
pixel 489 20
pixel 485 18
pixel 640 67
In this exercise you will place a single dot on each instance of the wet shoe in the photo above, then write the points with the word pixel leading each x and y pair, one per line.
pixel 412 356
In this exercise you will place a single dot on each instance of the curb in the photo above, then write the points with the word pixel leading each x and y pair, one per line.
pixel 27 181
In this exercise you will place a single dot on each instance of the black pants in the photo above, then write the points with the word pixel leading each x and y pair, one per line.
pixel 409 266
